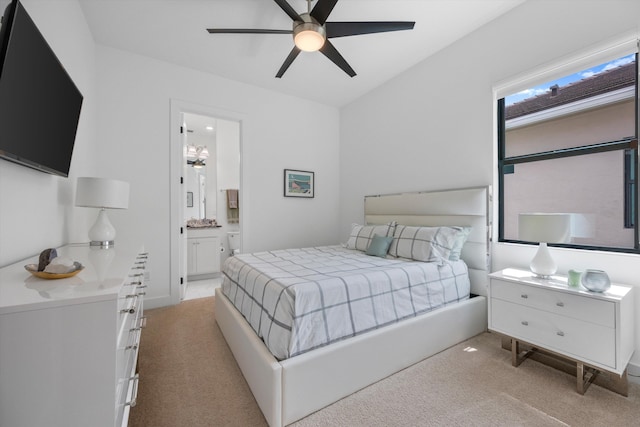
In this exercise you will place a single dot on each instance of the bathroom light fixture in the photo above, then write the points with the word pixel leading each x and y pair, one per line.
pixel 544 228
pixel 102 193
pixel 192 151
pixel 197 151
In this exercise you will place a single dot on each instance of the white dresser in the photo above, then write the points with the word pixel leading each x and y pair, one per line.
pixel 593 329
pixel 69 347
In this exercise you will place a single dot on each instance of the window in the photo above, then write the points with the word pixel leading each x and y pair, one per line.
pixel 571 145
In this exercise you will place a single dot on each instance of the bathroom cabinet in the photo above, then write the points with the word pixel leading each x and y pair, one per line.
pixel 203 251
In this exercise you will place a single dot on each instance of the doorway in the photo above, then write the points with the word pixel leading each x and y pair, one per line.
pixel 205 169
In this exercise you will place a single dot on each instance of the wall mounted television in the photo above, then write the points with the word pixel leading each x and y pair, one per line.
pixel 39 103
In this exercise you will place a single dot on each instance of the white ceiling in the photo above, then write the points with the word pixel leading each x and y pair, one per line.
pixel 175 31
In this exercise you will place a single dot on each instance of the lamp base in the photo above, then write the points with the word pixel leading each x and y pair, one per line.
pixel 103 244
pixel 543 265
pixel 102 233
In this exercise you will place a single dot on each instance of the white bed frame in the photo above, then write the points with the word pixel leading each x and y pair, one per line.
pixel 289 390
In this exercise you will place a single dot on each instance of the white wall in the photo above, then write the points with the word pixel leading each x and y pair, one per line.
pixel 436 122
pixel 278 132
pixel 36 209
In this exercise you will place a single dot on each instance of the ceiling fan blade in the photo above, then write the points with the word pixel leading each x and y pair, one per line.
pixel 344 29
pixel 246 31
pixel 332 53
pixel 322 9
pixel 288 9
pixel 287 62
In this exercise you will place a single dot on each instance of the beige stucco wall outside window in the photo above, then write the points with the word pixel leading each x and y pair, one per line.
pixel 591 184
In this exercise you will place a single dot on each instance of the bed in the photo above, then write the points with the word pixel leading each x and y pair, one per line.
pixel 303 378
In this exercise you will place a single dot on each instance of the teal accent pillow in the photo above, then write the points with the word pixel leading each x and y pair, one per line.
pixel 461 238
pixel 379 245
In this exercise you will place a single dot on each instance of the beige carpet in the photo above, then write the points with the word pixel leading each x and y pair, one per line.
pixel 189 378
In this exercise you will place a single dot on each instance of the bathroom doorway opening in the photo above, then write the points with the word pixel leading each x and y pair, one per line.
pixel 206 196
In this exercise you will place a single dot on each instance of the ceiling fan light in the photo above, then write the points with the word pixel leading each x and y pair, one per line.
pixel 309 36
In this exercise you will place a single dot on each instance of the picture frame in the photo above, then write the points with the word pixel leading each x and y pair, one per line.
pixel 299 183
pixel 189 199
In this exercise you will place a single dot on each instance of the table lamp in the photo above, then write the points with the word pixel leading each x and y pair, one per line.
pixel 544 228
pixel 105 194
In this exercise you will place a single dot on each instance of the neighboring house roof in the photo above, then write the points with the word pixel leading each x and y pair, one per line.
pixel 616 78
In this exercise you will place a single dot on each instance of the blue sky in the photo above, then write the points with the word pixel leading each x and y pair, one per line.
pixel 540 89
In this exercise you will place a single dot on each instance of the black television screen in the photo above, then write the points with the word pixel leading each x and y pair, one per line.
pixel 39 103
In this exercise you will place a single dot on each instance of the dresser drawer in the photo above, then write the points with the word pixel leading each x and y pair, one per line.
pixel 130 311
pixel 578 307
pixel 565 335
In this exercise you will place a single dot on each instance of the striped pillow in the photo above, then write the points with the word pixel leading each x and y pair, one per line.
pixel 361 235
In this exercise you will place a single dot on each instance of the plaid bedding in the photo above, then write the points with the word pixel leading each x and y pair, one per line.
pixel 297 300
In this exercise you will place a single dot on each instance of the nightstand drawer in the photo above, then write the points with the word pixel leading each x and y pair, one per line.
pixel 590 310
pixel 565 335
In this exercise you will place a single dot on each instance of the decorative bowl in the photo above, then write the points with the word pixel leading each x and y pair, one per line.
pixel 33 269
pixel 595 280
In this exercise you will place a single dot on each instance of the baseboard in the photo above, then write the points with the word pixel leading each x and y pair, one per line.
pixel 156 302
pixel 633 372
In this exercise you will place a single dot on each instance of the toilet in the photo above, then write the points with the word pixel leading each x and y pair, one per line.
pixel 234 242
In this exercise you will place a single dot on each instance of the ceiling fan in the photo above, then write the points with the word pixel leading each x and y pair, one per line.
pixel 311 32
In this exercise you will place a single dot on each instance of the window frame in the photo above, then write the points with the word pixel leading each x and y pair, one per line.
pixel 631 200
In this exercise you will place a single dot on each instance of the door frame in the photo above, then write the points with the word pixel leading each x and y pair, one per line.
pixel 178 232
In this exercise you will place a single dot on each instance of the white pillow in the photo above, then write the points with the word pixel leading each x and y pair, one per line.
pixel 361 235
pixel 428 244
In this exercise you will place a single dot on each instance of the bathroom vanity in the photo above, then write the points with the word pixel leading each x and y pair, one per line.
pixel 203 251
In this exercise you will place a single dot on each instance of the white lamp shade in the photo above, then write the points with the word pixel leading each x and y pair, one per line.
pixel 545 227
pixel 102 193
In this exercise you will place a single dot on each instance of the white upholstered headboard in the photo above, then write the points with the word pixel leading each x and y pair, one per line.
pixel 462 207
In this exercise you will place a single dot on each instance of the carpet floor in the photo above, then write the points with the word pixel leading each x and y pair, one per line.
pixel 188 377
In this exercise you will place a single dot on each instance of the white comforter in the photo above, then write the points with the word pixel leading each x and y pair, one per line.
pixel 300 299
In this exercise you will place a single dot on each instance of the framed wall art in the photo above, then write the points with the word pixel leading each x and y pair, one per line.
pixel 298 183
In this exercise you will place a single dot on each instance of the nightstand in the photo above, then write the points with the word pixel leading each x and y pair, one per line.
pixel 594 331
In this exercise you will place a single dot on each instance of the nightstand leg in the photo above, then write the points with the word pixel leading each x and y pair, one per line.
pixel 516 359
pixel 582 382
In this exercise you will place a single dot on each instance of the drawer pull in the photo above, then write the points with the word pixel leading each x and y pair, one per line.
pixel 525 323
pixel 134 395
pixel 135 283
pixel 136 295
pixel 141 324
pixel 560 304
pixel 525 296
pixel 136 275
pixel 136 340
pixel 132 309
pixel 560 333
